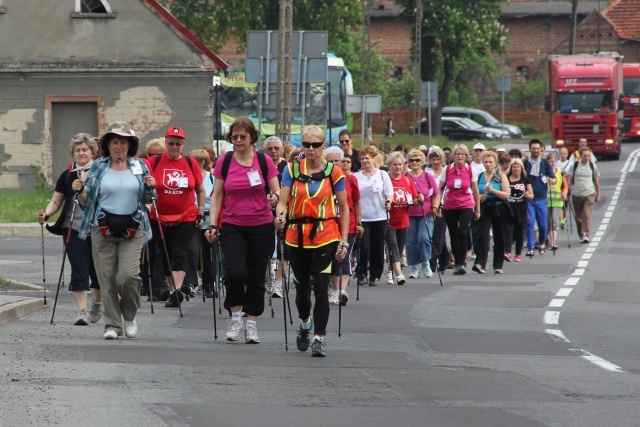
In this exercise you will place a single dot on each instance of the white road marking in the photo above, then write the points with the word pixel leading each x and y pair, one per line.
pixel 557 334
pixel 564 292
pixel 578 272
pixel 551 317
pixel 556 302
pixel 583 264
pixel 571 281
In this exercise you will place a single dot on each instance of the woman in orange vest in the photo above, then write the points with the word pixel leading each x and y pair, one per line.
pixel 313 236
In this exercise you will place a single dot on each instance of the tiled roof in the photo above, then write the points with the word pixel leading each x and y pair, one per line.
pixel 528 8
pixel 625 16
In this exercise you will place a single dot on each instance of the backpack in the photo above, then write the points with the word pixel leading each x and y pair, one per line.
pixel 187 158
pixel 318 176
pixel 469 168
pixel 262 161
pixel 593 172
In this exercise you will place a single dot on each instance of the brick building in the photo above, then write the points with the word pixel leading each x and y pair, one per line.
pixel 66 67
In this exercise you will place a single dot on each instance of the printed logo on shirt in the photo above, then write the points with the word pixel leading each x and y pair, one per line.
pixel 175 179
pixel 401 197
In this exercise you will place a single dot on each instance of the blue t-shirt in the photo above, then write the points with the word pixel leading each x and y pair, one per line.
pixel 119 192
pixel 482 182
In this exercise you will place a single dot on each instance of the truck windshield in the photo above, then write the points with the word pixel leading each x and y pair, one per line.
pixel 584 102
pixel 632 86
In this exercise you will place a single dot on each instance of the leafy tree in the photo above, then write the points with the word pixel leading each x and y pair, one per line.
pixel 528 95
pixel 456 36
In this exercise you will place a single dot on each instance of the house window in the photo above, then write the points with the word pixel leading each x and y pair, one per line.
pixel 93 9
pixel 522 74
pixel 397 73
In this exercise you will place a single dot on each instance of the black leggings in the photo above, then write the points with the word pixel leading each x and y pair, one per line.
pixel 247 252
pixel 177 239
pixel 317 262
pixel 372 249
pixel 458 222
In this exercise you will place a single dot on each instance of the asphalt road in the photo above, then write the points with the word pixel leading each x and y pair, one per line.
pixel 552 342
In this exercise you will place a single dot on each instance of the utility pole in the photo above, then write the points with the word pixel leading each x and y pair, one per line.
pixel 366 55
pixel 572 38
pixel 285 47
pixel 417 74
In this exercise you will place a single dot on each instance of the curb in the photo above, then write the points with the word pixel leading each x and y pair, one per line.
pixel 16 310
pixel 21 229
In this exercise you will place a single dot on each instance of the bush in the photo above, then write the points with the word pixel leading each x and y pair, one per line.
pixel 528 128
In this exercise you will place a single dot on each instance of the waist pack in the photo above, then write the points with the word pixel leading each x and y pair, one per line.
pixel 172 220
pixel 118 225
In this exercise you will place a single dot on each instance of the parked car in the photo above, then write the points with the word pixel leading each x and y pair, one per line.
pixel 482 117
pixel 457 130
pixel 475 125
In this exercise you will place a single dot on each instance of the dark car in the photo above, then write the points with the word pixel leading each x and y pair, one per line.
pixel 457 130
pixel 482 117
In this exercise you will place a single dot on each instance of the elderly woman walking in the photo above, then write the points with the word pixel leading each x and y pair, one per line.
pixel 114 195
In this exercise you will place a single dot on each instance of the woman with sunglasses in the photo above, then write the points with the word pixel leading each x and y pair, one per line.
pixel 308 198
pixel 421 217
pixel 247 228
pixel 376 195
pixel 345 143
pixel 179 188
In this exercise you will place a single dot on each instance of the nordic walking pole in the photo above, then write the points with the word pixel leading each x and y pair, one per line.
pixel 285 278
pixel 44 281
pixel 146 248
pixel 430 238
pixel 386 229
pixel 64 254
pixel 273 313
pixel 340 298
pixel 286 296
pixel 215 322
pixel 166 256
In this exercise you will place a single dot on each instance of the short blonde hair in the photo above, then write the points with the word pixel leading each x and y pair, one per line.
pixel 315 131
pixel 440 153
pixel 491 154
pixel 156 143
pixel 517 161
pixel 462 148
pixel 393 156
pixel 416 153
pixel 202 157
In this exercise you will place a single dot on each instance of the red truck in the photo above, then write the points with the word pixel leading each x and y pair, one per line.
pixel 631 121
pixel 585 101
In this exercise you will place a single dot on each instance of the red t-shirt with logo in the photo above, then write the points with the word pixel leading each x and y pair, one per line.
pixel 404 193
pixel 176 183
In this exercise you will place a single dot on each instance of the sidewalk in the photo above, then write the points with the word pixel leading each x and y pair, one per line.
pixel 14 307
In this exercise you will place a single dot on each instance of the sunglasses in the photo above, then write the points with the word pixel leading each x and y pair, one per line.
pixel 344 141
pixel 174 144
pixel 239 137
pixel 415 160
pixel 315 145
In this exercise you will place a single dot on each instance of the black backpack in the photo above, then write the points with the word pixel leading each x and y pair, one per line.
pixel 262 161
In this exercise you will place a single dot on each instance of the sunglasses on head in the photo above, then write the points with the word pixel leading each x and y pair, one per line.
pixel 315 145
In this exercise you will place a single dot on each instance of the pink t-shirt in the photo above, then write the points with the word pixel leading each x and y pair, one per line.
pixel 426 185
pixel 244 204
pixel 461 197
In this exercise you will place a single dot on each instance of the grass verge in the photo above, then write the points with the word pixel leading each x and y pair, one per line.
pixel 18 205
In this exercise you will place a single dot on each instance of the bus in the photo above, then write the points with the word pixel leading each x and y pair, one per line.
pixel 240 98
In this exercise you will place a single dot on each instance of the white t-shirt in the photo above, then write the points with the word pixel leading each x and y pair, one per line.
pixel 373 193
pixel 477 168
pixel 583 185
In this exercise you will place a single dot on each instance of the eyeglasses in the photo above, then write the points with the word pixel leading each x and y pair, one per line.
pixel 239 137
pixel 315 145
pixel 344 141
pixel 174 144
pixel 415 160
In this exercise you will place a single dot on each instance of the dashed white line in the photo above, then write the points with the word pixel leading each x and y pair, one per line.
pixel 578 272
pixel 551 317
pixel 571 281
pixel 556 302
pixel 583 264
pixel 564 292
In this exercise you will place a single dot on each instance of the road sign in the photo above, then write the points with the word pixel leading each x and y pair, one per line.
pixel 504 84
pixel 372 103
pixel 428 94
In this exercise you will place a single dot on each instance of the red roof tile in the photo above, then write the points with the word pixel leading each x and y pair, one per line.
pixel 625 16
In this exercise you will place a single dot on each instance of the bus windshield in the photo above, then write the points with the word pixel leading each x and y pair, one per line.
pixel 584 102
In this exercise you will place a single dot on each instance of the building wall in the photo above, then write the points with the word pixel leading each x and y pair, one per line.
pixel 392 38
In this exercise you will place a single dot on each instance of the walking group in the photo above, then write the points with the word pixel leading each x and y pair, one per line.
pixel 325 215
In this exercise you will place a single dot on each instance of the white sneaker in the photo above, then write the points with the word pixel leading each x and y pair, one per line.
pixel 415 273
pixel 82 319
pixel 389 278
pixel 426 271
pixel 110 335
pixel 234 329
pixel 131 328
pixel 276 290
pixel 333 299
pixel 251 334
pixel 585 238
pixel 401 280
pixel 95 312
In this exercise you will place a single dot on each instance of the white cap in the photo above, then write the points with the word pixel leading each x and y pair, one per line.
pixel 479 146
pixel 422 147
pixel 501 150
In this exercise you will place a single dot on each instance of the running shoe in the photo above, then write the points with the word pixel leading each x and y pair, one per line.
pixel 389 278
pixel 585 238
pixel 110 335
pixel 460 270
pixel 188 289
pixel 172 302
pixel 303 336
pixel 478 269
pixel 276 291
pixel 498 271
pixel 426 271
pixel 530 253
pixel 507 256
pixel 130 328
pixel 333 299
pixel 517 258
pixel 251 334
pixel 401 280
pixel 415 273
pixel 82 318
pixel 362 281
pixel 373 282
pixel 317 348
pixel 95 312
pixel 234 329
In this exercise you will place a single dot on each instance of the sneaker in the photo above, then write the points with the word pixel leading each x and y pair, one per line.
pixel 401 280
pixel 478 269
pixel 333 299
pixel 389 278
pixel 131 328
pixel 507 256
pixel 82 318
pixel 542 247
pixel 498 271
pixel 373 282
pixel 303 336
pixel 234 329
pixel 362 281
pixel 426 271
pixel 460 270
pixel 164 294
pixel 188 289
pixel 403 263
pixel 415 273
pixel 554 247
pixel 95 312
pixel 344 298
pixel 530 253
pixel 172 302
pixel 563 223
pixel 517 258
pixel 317 349
pixel 276 291
pixel 110 335
pixel 209 294
pixel 585 238
pixel 251 334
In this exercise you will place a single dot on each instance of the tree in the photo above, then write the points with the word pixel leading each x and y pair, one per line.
pixel 455 34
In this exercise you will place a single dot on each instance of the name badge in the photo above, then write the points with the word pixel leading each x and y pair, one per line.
pixel 544 179
pixel 457 183
pixel 136 169
pixel 254 178
pixel 430 192
pixel 183 182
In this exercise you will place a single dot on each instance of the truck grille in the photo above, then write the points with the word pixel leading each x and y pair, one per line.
pixel 584 129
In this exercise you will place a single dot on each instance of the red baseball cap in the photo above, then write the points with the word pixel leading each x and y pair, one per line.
pixel 175 131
